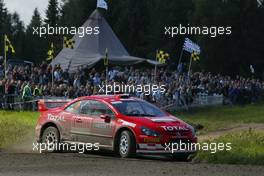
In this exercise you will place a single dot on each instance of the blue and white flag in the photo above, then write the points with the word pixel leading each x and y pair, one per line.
pixel 102 4
pixel 191 47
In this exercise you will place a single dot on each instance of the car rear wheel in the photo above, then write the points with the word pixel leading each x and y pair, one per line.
pixel 50 138
pixel 127 144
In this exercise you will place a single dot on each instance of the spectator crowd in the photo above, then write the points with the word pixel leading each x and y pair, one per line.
pixel 30 82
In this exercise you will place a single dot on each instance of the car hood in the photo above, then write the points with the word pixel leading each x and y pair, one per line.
pixel 160 123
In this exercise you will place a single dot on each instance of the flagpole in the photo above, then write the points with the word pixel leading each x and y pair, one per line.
pixel 106 75
pixel 190 65
pixel 52 79
pixel 181 53
pixel 155 72
pixel 106 66
pixel 52 67
pixel 180 57
pixel 5 55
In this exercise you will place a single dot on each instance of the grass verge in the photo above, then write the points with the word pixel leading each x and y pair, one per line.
pixel 247 148
pixel 14 126
pixel 222 117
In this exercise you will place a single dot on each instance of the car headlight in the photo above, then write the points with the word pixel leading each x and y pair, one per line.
pixel 149 132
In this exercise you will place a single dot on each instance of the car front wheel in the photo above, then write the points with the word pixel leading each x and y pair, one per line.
pixel 127 144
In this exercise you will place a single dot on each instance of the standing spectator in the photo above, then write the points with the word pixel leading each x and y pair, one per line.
pixel 27 96
pixel 2 93
pixel 96 79
pixel 37 92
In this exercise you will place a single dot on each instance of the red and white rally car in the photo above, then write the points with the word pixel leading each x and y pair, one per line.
pixel 120 123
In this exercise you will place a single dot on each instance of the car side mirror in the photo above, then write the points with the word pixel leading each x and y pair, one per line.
pixel 106 118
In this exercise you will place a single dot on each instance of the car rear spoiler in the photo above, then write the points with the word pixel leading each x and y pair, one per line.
pixel 47 104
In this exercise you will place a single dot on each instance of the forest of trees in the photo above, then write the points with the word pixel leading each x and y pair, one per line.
pixel 140 26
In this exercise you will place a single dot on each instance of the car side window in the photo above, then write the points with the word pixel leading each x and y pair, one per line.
pixel 74 107
pixel 85 107
pixel 97 108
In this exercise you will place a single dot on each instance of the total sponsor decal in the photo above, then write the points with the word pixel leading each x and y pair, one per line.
pixel 175 128
pixel 56 118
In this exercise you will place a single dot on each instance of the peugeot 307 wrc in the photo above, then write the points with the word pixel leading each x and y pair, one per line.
pixel 123 124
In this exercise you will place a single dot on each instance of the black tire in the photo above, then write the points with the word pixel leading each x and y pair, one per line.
pixel 51 137
pixel 181 158
pixel 126 144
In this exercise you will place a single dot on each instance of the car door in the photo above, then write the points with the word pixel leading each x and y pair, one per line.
pixel 66 125
pixel 102 131
pixel 81 121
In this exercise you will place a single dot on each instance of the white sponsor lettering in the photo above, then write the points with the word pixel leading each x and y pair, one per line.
pixel 56 118
pixel 174 128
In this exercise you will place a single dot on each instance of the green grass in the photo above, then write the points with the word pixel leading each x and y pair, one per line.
pixel 14 126
pixel 216 118
pixel 247 148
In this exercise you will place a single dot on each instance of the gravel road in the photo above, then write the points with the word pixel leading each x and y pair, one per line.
pixel 61 164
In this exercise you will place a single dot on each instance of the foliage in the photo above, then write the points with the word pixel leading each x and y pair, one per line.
pixel 140 26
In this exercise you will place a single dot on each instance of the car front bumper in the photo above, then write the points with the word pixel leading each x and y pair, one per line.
pixel 159 149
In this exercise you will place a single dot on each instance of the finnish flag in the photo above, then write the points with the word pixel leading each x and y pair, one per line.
pixel 102 4
pixel 191 47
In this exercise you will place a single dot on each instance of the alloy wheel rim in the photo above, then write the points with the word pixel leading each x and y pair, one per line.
pixel 123 144
pixel 51 138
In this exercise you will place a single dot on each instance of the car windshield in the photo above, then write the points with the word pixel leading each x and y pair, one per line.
pixel 138 108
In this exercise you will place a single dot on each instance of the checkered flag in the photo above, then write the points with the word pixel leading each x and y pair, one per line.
pixel 51 52
pixel 162 56
pixel 9 46
pixel 195 56
pixel 68 43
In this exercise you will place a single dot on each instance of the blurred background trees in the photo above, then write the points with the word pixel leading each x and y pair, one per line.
pixel 140 27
